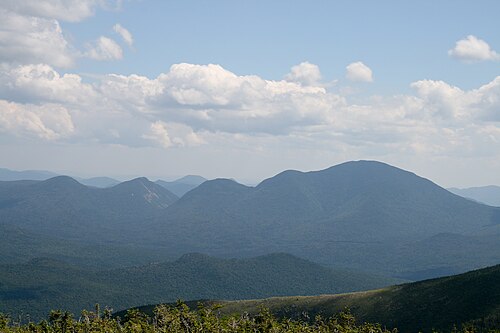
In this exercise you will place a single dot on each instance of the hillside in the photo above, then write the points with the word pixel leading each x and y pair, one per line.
pixel 420 306
pixel 489 195
pixel 43 284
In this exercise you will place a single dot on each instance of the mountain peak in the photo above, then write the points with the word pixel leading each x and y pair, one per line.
pixel 191 180
pixel 222 184
pixel 136 182
pixel 60 182
pixel 152 193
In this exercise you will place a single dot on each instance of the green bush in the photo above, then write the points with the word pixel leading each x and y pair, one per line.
pixel 180 319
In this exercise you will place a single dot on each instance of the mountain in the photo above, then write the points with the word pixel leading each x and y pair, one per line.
pixel 182 185
pixel 43 284
pixel 424 306
pixel 362 215
pixel 191 179
pixel 11 175
pixel 489 195
pixel 62 207
pixel 357 214
pixel 101 182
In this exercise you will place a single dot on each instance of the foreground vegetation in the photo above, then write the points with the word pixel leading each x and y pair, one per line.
pixel 180 318
pixel 437 304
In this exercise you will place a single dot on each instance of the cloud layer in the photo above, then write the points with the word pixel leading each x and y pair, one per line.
pixel 192 105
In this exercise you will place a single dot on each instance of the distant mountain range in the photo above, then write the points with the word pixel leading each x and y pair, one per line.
pixel 10 175
pixel 363 215
pixel 43 284
pixel 179 187
pixel 182 185
pixel 489 195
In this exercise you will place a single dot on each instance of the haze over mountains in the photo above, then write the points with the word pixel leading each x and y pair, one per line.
pixel 363 215
pixel 179 186
pixel 489 195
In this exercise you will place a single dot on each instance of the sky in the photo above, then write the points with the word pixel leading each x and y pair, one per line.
pixel 247 89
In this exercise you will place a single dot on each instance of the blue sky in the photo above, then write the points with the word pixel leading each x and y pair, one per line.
pixel 405 41
pixel 246 89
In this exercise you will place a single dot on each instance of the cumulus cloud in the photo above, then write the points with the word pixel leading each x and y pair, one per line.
pixel 30 32
pixel 172 134
pixel 159 133
pixel 441 99
pixel 359 72
pixel 28 39
pixel 48 121
pixel 124 33
pixel 104 48
pixel 451 102
pixel 212 98
pixel 191 105
pixel 42 83
pixel 472 48
pixel 304 73
pixel 64 10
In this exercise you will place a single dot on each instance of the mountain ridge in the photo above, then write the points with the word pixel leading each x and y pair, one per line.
pixel 360 215
pixel 363 202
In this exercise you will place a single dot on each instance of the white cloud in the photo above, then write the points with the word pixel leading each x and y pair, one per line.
pixel 30 32
pixel 441 99
pixel 159 133
pixel 104 48
pixel 305 73
pixel 65 10
pixel 173 134
pixel 452 103
pixel 191 105
pixel 359 72
pixel 472 48
pixel 28 39
pixel 212 98
pixel 36 83
pixel 124 33
pixel 48 121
